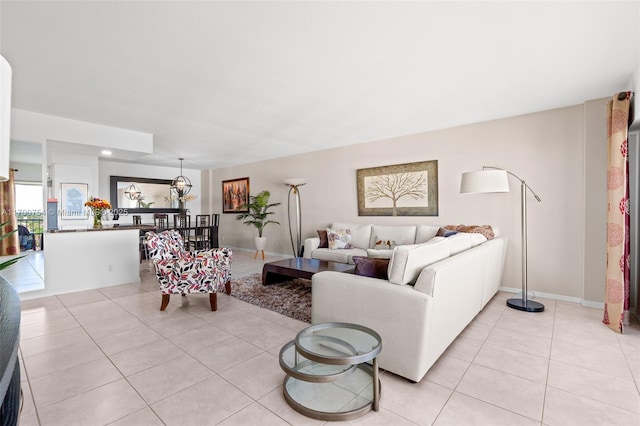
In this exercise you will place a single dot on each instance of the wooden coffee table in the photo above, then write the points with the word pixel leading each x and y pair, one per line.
pixel 299 267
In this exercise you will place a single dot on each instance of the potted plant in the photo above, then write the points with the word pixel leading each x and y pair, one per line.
pixel 258 215
pixel 6 263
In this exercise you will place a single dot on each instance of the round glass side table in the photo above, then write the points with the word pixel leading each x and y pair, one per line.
pixel 328 372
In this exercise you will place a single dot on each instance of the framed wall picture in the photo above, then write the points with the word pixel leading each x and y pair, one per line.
pixel 235 193
pixel 400 190
pixel 72 199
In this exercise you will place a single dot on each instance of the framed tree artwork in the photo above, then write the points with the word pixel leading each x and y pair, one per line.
pixel 400 190
pixel 235 194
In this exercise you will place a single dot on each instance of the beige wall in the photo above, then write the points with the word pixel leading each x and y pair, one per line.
pixel 547 149
pixel 595 207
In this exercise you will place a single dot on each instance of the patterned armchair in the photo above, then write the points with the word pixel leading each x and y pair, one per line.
pixel 180 272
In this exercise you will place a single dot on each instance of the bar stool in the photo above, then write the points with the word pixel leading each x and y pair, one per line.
pixel 144 251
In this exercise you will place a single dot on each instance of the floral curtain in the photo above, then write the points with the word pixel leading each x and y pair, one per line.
pixel 616 305
pixel 11 244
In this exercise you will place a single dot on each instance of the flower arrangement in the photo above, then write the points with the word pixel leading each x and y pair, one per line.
pixel 181 199
pixel 97 206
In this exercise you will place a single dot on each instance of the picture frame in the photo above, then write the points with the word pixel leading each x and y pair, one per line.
pixel 72 199
pixel 235 193
pixel 409 189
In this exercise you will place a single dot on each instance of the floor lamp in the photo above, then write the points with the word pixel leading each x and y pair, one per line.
pixel 494 179
pixel 294 185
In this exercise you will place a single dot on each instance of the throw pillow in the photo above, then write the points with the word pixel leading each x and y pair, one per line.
pixel 477 229
pixel 324 242
pixel 339 238
pixel 385 245
pixel 374 268
pixel 443 232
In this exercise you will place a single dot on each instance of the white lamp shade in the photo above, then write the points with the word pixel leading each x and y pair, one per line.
pixel 5 117
pixel 484 181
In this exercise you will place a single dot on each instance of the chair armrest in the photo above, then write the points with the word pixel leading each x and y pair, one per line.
pixel 310 244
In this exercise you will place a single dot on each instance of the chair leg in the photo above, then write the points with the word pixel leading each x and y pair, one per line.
pixel 213 301
pixel 227 287
pixel 165 301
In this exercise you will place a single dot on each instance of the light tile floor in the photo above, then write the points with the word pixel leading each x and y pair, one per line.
pixel 109 356
pixel 28 273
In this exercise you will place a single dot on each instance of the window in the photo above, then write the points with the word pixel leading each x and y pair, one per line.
pixel 29 208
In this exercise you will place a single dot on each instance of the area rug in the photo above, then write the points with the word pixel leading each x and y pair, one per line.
pixel 291 298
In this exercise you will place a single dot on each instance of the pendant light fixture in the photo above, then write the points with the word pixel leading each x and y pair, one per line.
pixel 181 184
pixel 132 192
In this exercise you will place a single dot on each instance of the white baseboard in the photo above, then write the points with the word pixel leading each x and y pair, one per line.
pixel 562 298
pixel 270 253
pixel 591 304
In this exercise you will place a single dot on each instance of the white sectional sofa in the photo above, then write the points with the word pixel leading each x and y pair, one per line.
pixel 434 289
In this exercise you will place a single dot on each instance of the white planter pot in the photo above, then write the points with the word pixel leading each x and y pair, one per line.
pixel 261 243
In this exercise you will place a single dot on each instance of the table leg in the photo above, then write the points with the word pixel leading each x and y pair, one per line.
pixel 376 386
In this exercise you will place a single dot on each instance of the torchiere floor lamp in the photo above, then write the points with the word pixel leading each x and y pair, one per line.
pixel 294 185
pixel 494 179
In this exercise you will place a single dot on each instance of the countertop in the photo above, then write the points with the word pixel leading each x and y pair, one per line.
pixel 90 228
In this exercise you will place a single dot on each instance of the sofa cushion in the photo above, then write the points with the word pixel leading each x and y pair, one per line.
pixel 401 235
pixel 379 254
pixel 360 234
pixel 342 256
pixel 425 232
pixel 324 242
pixel 407 261
pixel 460 242
pixel 374 268
pixel 339 238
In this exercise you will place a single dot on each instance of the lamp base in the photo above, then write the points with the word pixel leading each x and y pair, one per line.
pixel 528 306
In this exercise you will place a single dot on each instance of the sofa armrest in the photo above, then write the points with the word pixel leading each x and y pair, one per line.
pixel 397 312
pixel 310 244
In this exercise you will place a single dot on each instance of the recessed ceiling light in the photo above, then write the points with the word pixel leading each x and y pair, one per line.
pixel 106 152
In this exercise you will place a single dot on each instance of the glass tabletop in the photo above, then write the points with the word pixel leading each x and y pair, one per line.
pixel 338 343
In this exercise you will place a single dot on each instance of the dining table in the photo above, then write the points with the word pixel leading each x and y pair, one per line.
pixel 185 231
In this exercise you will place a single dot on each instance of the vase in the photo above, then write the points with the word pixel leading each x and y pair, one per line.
pixel 182 207
pixel 97 219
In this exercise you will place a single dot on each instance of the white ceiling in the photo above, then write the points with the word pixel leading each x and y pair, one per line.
pixel 225 83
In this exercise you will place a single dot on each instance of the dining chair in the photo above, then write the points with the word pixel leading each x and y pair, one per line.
pixel 161 221
pixel 182 224
pixel 202 232
pixel 137 219
pixel 181 220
